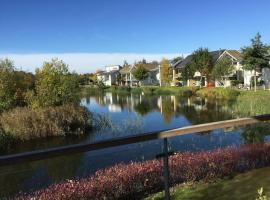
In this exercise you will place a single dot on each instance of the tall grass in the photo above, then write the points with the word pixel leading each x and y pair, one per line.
pixel 218 93
pixel 252 103
pixel 25 123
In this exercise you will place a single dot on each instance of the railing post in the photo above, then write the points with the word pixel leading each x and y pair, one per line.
pixel 166 169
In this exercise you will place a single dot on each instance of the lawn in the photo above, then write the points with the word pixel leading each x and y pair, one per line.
pixel 241 187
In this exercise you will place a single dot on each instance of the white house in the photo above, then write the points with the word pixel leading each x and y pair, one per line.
pixel 129 80
pixel 109 76
pixel 239 74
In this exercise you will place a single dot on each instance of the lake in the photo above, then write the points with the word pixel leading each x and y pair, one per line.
pixel 124 115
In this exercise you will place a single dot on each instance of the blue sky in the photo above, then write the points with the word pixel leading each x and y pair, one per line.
pixel 132 28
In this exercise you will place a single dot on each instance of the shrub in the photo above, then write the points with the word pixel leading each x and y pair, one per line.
pixel 218 93
pixel 138 179
pixel 55 85
pixel 25 123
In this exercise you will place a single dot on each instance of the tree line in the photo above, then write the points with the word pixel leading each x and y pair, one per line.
pixel 52 85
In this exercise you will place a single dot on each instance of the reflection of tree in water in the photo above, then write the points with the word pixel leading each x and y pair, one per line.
pixel 203 111
pixel 255 133
pixel 146 105
pixel 167 108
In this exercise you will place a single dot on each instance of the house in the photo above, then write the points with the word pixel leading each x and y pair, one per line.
pixel 266 74
pixel 129 80
pixel 237 74
pixel 109 76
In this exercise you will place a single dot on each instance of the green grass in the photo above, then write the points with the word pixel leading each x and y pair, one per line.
pixel 241 187
pixel 218 93
pixel 150 90
pixel 252 103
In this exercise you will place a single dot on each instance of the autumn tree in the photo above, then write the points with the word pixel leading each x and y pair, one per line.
pixel 55 85
pixel 165 72
pixel 254 56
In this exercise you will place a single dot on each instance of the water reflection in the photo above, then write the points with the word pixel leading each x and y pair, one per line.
pixel 127 115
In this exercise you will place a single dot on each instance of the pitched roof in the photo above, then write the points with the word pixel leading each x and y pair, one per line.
pixel 151 66
pixel 234 53
pixel 125 70
pixel 182 63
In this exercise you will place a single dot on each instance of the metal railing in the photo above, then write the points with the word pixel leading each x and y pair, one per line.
pixel 78 148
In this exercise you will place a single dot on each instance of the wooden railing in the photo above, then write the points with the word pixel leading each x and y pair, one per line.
pixel 78 148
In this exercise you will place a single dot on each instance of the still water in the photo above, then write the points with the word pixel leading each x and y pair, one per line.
pixel 124 115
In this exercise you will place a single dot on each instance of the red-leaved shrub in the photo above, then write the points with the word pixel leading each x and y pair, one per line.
pixel 135 180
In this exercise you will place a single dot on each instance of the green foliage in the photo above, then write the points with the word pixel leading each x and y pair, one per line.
pixel 176 59
pixel 251 103
pixel 24 123
pixel 13 85
pixel 6 65
pixel 218 93
pixel 55 85
pixel 202 61
pixel 222 68
pixel 253 57
pixel 101 85
pixel 140 73
pixel 7 85
pixel 188 71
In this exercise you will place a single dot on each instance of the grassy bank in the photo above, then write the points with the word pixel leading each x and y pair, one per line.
pixel 23 123
pixel 150 90
pixel 241 187
pixel 252 103
pixel 218 93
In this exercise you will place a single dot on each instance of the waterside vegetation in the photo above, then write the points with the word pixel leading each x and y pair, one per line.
pixel 137 180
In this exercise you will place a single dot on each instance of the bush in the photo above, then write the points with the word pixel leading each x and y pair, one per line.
pixel 55 85
pixel 25 123
pixel 138 179
pixel 218 93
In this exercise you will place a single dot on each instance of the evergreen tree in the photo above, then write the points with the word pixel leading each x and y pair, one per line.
pixel 253 56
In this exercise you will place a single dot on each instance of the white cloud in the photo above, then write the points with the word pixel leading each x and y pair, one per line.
pixel 82 62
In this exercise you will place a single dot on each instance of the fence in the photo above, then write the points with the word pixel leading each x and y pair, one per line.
pixel 78 148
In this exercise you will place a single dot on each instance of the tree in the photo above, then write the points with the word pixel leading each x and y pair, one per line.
pixel 140 73
pixel 202 61
pixel 6 65
pixel 55 85
pixel 164 71
pixel 222 69
pixel 253 56
pixel 7 84
pixel 188 71
pixel 176 59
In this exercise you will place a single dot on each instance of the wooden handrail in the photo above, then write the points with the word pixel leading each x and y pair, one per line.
pixel 78 148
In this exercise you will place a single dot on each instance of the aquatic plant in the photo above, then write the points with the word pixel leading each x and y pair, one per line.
pixel 23 123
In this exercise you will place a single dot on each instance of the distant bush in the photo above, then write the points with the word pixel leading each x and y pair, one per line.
pixel 136 180
pixel 218 93
pixel 24 123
